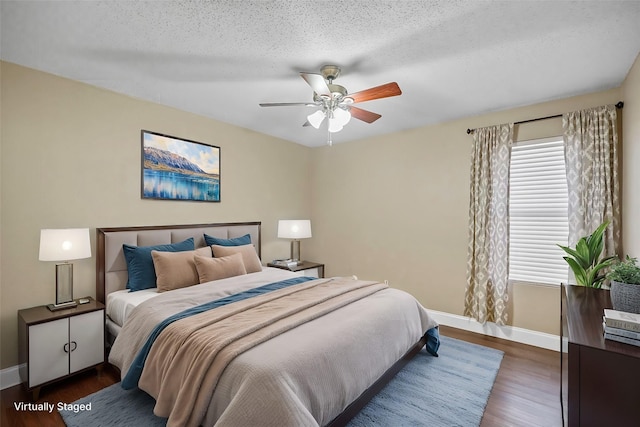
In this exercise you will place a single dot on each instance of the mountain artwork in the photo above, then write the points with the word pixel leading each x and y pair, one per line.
pixel 179 169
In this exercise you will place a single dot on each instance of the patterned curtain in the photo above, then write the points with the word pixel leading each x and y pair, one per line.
pixel 488 252
pixel 591 156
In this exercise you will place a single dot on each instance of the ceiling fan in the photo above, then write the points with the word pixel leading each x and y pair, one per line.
pixel 335 103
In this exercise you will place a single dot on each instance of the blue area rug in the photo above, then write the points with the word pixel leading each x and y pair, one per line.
pixel 450 390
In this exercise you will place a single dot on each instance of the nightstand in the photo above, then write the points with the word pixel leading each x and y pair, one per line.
pixel 304 268
pixel 53 345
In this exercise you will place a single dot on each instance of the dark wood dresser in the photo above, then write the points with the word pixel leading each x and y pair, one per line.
pixel 600 378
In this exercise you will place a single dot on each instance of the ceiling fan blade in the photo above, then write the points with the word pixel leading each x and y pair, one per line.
pixel 364 115
pixel 288 104
pixel 317 83
pixel 306 124
pixel 384 91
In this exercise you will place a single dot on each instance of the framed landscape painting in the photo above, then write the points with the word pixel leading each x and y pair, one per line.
pixel 179 169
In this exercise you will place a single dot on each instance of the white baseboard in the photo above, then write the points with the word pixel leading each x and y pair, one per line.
pixel 512 333
pixel 10 376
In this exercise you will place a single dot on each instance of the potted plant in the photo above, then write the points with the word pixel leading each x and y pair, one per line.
pixel 585 260
pixel 625 285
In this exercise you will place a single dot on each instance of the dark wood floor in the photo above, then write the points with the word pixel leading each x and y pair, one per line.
pixel 526 391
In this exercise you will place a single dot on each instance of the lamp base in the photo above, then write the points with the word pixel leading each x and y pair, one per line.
pixel 62 306
pixel 295 251
pixel 64 283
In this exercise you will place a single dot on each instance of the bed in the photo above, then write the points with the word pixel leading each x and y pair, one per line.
pixel 331 345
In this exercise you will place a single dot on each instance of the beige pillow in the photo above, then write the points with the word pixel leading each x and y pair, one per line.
pixel 219 268
pixel 176 270
pixel 205 252
pixel 249 255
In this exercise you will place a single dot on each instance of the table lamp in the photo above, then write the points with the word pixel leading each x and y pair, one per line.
pixel 64 245
pixel 294 229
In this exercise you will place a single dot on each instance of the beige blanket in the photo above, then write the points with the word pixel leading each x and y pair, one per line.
pixel 305 376
pixel 188 358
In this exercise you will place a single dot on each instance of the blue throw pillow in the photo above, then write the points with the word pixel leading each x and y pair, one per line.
pixel 142 273
pixel 433 341
pixel 236 241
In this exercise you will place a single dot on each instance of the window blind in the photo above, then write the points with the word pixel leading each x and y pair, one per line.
pixel 538 212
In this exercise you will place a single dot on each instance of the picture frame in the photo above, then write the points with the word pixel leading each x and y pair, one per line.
pixel 179 169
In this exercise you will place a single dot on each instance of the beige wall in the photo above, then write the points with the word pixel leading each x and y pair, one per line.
pixel 71 158
pixel 631 161
pixel 396 206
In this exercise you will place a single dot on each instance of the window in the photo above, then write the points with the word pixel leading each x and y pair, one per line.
pixel 538 212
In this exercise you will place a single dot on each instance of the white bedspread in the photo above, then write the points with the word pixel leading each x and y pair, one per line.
pixel 120 304
pixel 306 376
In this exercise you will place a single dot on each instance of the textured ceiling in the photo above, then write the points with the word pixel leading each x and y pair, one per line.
pixel 452 59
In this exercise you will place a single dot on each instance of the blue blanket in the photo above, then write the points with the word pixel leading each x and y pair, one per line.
pixel 135 371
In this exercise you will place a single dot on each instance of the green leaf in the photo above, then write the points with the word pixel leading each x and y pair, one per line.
pixel 570 251
pixel 578 271
pixel 597 280
pixel 583 258
pixel 597 250
pixel 594 276
pixel 596 242
pixel 609 260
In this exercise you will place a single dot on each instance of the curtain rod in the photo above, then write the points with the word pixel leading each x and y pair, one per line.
pixel 618 105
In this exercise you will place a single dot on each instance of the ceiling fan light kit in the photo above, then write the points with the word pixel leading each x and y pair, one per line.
pixel 335 103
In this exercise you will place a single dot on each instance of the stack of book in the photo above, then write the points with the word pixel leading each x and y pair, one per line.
pixel 285 262
pixel 621 326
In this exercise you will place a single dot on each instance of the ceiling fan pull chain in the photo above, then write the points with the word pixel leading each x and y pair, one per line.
pixel 329 141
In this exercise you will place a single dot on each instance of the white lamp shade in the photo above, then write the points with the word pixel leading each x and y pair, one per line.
pixel 334 125
pixel 64 244
pixel 294 228
pixel 316 118
pixel 342 116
